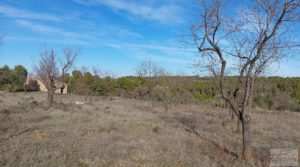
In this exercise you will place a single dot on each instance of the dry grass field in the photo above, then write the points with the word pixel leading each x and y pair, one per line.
pixel 123 132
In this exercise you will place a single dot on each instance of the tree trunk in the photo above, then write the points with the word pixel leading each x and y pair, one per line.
pixel 238 123
pixel 231 113
pixel 238 126
pixel 50 97
pixel 247 150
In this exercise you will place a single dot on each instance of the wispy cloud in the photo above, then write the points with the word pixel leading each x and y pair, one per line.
pixel 46 41
pixel 43 28
pixel 164 48
pixel 165 13
pixel 91 35
pixel 158 52
pixel 25 14
pixel 114 30
pixel 57 35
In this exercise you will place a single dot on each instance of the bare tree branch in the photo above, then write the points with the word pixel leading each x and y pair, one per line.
pixel 255 37
pixel 47 69
pixel 68 60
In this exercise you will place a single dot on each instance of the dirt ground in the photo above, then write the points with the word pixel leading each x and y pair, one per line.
pixel 125 132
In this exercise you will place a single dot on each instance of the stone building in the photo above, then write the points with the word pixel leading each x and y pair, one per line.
pixel 35 84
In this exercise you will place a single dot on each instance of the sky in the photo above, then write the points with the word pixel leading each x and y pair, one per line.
pixel 113 35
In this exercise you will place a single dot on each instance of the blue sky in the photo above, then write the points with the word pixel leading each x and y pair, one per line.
pixel 114 35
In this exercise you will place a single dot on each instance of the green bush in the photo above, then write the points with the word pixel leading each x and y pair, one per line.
pixel 262 102
pixel 202 90
pixel 294 105
pixel 269 92
pixel 13 80
pixel 127 84
pixel 16 87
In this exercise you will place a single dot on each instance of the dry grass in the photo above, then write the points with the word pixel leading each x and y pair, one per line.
pixel 122 132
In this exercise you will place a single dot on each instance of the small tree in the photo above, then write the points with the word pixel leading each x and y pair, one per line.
pixel 17 78
pixel 153 74
pixel 162 94
pixel 83 82
pixel 249 41
pixel 48 71
pixel 4 75
pixel 149 71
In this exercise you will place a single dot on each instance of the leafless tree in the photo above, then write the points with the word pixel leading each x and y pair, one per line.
pixel 47 71
pixel 245 42
pixel 150 71
pixel 147 68
pixel 67 62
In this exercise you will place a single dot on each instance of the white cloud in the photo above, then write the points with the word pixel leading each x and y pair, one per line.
pixel 162 48
pixel 92 35
pixel 57 35
pixel 47 41
pixel 158 52
pixel 166 13
pixel 114 30
pixel 43 28
pixel 24 14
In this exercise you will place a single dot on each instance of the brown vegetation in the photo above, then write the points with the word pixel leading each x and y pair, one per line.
pixel 123 132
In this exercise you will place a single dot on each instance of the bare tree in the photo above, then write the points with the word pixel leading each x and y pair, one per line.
pixel 150 71
pixel 67 62
pixel 245 42
pixel 47 71
pixel 146 68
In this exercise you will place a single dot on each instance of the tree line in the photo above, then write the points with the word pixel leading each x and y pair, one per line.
pixel 270 93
